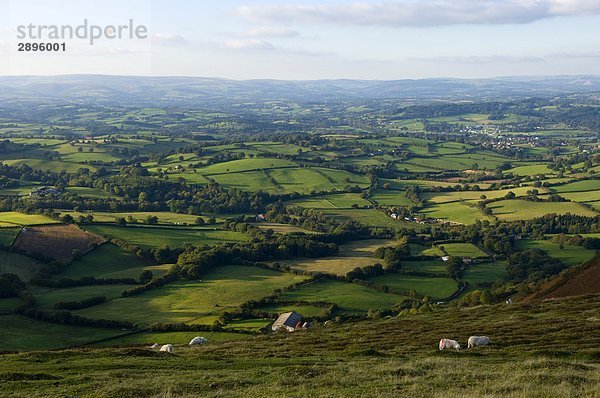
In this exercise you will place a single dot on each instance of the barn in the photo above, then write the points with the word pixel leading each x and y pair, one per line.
pixel 288 321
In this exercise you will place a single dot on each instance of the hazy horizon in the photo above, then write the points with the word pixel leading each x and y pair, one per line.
pixel 315 40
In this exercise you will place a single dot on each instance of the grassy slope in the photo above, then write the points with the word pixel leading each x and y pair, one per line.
pixel 222 289
pixel 149 237
pixel 539 350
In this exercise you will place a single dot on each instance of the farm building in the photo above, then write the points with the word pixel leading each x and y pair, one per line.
pixel 288 321
pixel 44 191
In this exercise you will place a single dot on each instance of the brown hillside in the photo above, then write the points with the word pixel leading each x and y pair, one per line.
pixel 56 241
pixel 579 281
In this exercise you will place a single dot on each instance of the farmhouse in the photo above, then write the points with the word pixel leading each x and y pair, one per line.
pixel 288 321
pixel 44 191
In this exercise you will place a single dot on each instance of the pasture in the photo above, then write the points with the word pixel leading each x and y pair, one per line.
pixel 484 274
pixel 391 198
pixel 516 209
pixel 436 267
pixel 164 217
pixel 110 261
pixel 350 297
pixel 463 250
pixel 223 288
pixel 373 358
pixel 20 333
pixel 23 266
pixel 569 255
pixel 438 287
pixel 12 218
pixel 351 255
pixel 156 237
pixel 333 201
pixel 455 212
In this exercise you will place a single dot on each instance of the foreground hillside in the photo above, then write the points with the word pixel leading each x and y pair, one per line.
pixel 541 349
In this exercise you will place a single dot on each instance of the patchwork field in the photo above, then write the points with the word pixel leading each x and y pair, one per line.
pixel 350 297
pixel 20 333
pixel 569 255
pixel 222 289
pixel 12 218
pixel 463 250
pixel 149 237
pixel 110 261
pixel 515 209
pixel 484 274
pixel 334 201
pixel 18 264
pixel 351 255
pixel 426 286
pixel 455 212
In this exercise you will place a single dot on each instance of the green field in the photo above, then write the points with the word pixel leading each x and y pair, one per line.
pixel 391 198
pixel 350 297
pixel 419 250
pixel 445 197
pixel 236 166
pixel 426 286
pixel 484 273
pixel 569 255
pixel 515 209
pixel 20 333
pixel 110 261
pixel 455 212
pixel 463 250
pixel 222 289
pixel 579 186
pixel 181 338
pixel 149 237
pixel 7 235
pixel 164 217
pixel 15 218
pixel 50 165
pixel 89 192
pixel 14 263
pixel 351 255
pixel 424 266
pixel 47 297
pixel 334 201
pixel 531 170
pixel 370 217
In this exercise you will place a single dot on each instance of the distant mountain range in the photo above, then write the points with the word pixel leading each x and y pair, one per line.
pixel 138 90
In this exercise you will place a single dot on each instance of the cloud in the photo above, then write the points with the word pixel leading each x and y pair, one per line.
pixel 249 44
pixel 480 59
pixel 272 32
pixel 421 13
pixel 167 39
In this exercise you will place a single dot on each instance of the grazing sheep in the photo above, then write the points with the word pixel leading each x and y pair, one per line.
pixel 478 340
pixel 155 345
pixel 198 340
pixel 447 343
pixel 167 348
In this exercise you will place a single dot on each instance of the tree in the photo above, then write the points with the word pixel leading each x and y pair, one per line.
pixel 120 222
pixel 200 221
pixel 151 220
pixel 67 219
pixel 146 276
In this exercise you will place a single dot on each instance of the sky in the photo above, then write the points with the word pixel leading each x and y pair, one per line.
pixel 308 39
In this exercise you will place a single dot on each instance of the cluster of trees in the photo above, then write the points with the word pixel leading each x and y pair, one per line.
pixel 10 285
pixel 532 265
pixel 77 305
pixel 194 262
